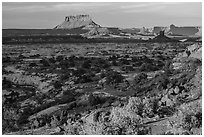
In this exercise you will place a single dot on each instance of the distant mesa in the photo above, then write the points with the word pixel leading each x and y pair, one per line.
pixel 186 31
pixel 162 38
pixel 158 29
pixel 179 31
pixel 78 21
pixel 85 23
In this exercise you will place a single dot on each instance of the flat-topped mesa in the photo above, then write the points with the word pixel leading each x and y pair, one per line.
pixel 77 17
pixel 78 21
pixel 185 30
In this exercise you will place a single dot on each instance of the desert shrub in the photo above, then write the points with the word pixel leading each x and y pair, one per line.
pixel 85 127
pixel 184 78
pixel 85 78
pixel 11 98
pixel 33 64
pixel 52 60
pixel 64 64
pixel 140 77
pixel 198 116
pixel 57 85
pixel 113 130
pixel 166 110
pixel 155 106
pixel 44 62
pixel 79 72
pixel 148 107
pixel 120 122
pixel 126 121
pixel 6 59
pixel 148 67
pixel 144 67
pixel 135 105
pixel 101 63
pixel 71 63
pixel 64 99
pixel 94 100
pixel 6 83
pixel 113 77
pixel 68 92
pixel 83 100
pixel 65 76
pixel 187 119
pixel 168 68
pixel 86 64
pixel 21 56
pixel 55 121
pixel 9 126
pixel 122 117
pixel 9 119
pixel 190 121
pixel 114 63
pixel 107 101
pixel 23 118
pixel 96 128
pixel 59 58
pixel 161 80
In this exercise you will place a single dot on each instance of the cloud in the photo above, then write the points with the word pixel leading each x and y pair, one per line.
pixel 145 10
pixel 167 9
pixel 146 4
pixel 135 13
pixel 146 7
pixel 44 7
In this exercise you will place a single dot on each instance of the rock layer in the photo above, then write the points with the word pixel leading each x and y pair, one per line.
pixel 78 21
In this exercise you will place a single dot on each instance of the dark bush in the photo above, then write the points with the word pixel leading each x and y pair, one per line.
pixel 79 72
pixel 45 63
pixel 6 83
pixel 113 77
pixel 6 59
pixel 59 58
pixel 52 60
pixel 94 100
pixel 168 68
pixel 21 56
pixel 33 64
pixel 140 78
pixel 64 64
pixel 86 64
pixel 57 85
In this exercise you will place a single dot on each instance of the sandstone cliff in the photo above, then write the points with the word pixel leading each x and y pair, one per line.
pixel 78 21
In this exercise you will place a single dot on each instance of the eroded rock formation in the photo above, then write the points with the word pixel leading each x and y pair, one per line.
pixel 78 21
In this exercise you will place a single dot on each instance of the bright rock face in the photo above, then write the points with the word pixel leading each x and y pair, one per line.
pixel 78 21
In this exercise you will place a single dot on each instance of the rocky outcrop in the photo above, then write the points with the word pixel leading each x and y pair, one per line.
pixel 162 38
pixel 78 21
pixel 184 31
pixel 157 29
pixel 97 32
pixel 195 51
pixel 179 31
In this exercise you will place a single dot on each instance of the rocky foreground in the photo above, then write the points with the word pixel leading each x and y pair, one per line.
pixel 173 105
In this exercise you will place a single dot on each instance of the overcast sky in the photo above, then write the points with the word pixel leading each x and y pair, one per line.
pixel 125 15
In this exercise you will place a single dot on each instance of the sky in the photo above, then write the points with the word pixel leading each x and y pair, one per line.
pixel 47 15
